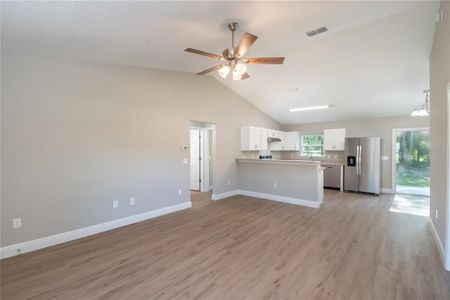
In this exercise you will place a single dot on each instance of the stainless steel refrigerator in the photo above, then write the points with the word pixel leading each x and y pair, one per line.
pixel 362 168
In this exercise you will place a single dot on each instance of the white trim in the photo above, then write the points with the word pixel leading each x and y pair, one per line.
pixel 447 212
pixel 59 238
pixel 438 241
pixel 224 195
pixel 393 161
pixel 307 203
pixel 387 191
pixel 205 185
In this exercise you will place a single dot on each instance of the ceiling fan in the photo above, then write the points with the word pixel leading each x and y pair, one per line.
pixel 232 59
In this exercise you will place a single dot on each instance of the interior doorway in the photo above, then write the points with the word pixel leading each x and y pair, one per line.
pixel 202 154
pixel 196 157
pixel 411 161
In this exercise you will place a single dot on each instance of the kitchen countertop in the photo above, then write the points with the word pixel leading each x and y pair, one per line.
pixel 281 161
pixel 294 161
pixel 332 163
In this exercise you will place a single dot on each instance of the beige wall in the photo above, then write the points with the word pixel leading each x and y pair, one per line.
pixel 381 127
pixel 78 135
pixel 439 80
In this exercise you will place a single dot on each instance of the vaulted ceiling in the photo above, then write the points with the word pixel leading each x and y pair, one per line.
pixel 372 62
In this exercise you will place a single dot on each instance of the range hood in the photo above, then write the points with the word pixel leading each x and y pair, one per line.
pixel 273 139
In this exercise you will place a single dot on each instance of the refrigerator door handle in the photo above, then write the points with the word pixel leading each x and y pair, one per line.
pixel 359 160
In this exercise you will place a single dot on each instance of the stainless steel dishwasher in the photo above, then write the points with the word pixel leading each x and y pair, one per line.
pixel 332 176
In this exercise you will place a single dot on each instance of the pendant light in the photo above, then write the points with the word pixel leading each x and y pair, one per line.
pixel 424 111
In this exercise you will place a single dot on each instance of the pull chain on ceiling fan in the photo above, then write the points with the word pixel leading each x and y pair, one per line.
pixel 233 58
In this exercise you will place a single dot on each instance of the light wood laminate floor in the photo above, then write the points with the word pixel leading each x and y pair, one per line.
pixel 353 247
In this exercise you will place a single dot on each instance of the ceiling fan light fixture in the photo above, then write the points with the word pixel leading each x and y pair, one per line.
pixel 235 57
pixel 224 71
pixel 425 110
pixel 240 68
pixel 237 76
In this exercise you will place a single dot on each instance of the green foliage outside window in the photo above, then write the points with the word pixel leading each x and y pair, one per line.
pixel 312 145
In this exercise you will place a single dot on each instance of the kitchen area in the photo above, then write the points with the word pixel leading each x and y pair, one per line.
pixel 328 160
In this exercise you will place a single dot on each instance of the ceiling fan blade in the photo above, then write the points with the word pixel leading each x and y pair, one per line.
pixel 199 52
pixel 264 60
pixel 210 70
pixel 245 43
pixel 245 76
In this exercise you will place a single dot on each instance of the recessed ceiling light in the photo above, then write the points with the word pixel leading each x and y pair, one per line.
pixel 309 108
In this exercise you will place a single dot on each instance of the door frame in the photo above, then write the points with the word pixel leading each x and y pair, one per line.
pixel 201 153
pixel 447 213
pixel 393 157
pixel 205 154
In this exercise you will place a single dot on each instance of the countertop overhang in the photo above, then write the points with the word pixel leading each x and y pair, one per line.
pixel 281 161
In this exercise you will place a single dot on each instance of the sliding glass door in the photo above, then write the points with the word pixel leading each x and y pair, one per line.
pixel 412 147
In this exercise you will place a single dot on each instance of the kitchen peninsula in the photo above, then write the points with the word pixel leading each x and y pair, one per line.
pixel 292 181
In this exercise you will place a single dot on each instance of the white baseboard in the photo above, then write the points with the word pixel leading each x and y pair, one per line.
pixel 308 203
pixel 224 195
pixel 438 241
pixel 387 191
pixel 60 238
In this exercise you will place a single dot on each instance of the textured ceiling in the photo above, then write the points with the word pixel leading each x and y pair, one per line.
pixel 372 62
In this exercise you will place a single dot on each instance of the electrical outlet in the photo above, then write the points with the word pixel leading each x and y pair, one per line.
pixel 437 213
pixel 180 191
pixel 228 181
pixel 132 201
pixel 275 185
pixel 115 204
pixel 17 223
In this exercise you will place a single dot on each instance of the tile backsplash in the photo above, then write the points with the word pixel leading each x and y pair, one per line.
pixel 330 156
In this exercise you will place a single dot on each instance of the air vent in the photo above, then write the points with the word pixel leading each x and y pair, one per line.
pixel 317 31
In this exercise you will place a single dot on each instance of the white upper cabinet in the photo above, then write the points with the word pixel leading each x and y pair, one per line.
pixel 264 138
pixel 272 133
pixel 292 141
pixel 253 138
pixel 256 139
pixel 334 139
pixel 276 145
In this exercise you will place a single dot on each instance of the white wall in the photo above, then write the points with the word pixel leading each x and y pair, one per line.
pixel 381 127
pixel 78 135
pixel 439 80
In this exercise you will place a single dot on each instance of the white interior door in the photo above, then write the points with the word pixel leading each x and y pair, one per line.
pixel 195 159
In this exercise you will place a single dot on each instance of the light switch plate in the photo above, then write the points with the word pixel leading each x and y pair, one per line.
pixel 185 161
pixel 17 223
pixel 384 157
pixel 115 204
pixel 132 201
